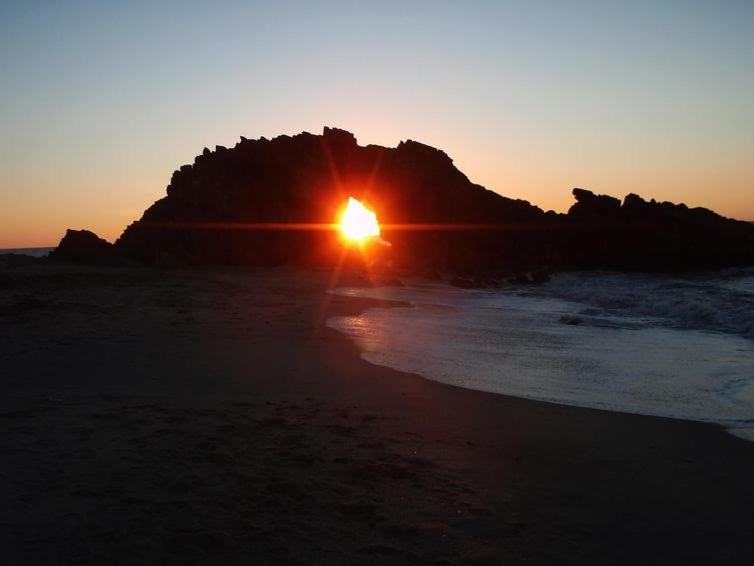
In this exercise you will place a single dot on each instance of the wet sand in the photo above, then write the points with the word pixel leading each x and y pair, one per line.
pixel 179 417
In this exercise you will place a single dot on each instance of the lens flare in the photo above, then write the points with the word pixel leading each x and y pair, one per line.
pixel 358 223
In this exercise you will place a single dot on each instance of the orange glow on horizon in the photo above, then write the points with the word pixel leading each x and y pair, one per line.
pixel 358 223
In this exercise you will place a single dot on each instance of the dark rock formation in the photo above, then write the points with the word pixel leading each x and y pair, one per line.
pixel 650 236
pixel 82 246
pixel 303 179
pixel 221 208
pixel 592 207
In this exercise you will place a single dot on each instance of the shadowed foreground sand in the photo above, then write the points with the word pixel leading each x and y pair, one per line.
pixel 211 417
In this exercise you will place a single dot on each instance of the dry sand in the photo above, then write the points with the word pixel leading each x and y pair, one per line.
pixel 177 417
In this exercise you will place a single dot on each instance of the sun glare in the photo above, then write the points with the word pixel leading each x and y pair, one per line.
pixel 358 222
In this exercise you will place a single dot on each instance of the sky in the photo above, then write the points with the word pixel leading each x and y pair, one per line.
pixel 101 101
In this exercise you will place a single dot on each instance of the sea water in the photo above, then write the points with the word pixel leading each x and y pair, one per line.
pixel 33 252
pixel 680 347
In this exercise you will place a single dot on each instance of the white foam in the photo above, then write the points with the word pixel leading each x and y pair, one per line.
pixel 633 358
pixel 722 301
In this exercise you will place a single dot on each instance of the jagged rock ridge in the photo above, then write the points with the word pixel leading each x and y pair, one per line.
pixel 304 178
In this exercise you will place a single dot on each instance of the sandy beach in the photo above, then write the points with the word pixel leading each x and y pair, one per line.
pixel 184 417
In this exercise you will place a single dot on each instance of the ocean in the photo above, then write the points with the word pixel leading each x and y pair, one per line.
pixel 34 252
pixel 670 346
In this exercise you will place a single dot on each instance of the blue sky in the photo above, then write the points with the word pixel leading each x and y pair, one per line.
pixel 101 101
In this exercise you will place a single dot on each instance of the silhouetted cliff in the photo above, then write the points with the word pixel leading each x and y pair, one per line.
pixel 304 179
pixel 206 216
pixel 602 232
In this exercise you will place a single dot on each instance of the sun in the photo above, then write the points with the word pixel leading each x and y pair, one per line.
pixel 358 223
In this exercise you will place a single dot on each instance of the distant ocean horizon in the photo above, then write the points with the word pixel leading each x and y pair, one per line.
pixel 33 252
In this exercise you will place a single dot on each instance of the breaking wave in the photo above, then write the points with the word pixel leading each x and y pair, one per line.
pixel 680 347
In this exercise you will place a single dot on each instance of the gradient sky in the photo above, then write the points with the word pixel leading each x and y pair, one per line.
pixel 101 101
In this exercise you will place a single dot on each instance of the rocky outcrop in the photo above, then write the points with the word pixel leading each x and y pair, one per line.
pixel 82 246
pixel 602 232
pixel 212 205
pixel 590 207
pixel 221 210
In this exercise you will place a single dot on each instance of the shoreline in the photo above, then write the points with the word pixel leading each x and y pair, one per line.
pixel 213 415
pixel 378 355
pixel 387 304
